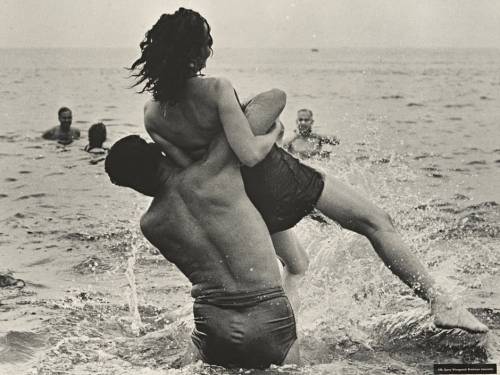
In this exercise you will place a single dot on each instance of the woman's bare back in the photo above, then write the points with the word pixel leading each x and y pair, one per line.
pixel 208 108
pixel 190 124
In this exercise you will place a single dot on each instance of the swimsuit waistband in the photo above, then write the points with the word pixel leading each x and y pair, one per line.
pixel 240 299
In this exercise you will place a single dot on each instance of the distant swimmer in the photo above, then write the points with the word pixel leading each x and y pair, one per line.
pixel 63 133
pixel 305 143
pixel 7 280
pixel 218 240
pixel 97 137
pixel 189 111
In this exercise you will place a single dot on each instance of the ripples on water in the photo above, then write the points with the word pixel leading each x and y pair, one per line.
pixel 74 237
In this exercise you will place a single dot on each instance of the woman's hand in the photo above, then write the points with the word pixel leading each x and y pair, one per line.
pixel 280 128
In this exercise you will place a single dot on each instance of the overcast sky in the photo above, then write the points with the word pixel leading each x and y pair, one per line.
pixel 254 23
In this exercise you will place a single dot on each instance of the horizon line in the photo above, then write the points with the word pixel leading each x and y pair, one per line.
pixel 264 47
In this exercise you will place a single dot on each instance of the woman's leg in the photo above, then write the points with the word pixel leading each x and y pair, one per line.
pixel 296 262
pixel 264 109
pixel 342 204
pixel 293 356
pixel 352 211
pixel 191 355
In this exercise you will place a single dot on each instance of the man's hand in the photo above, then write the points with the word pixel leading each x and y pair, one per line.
pixel 176 154
pixel 330 139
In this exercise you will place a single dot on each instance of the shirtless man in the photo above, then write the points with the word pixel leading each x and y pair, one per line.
pixel 218 240
pixel 305 143
pixel 63 133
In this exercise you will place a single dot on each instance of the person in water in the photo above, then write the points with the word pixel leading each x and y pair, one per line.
pixel 64 133
pixel 7 280
pixel 97 136
pixel 188 111
pixel 218 240
pixel 305 143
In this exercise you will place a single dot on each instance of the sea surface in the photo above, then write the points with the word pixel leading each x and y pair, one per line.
pixel 420 136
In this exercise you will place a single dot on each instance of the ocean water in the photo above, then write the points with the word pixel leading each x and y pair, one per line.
pixel 419 133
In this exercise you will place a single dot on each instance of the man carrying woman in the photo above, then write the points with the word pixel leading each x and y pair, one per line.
pixel 189 112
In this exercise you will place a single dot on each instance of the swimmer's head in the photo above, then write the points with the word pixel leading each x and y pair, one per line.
pixel 65 118
pixel 304 121
pixel 134 163
pixel 97 135
pixel 174 50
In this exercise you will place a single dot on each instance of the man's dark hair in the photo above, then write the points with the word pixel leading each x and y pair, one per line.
pixel 171 52
pixel 63 109
pixel 132 162
pixel 308 111
pixel 97 135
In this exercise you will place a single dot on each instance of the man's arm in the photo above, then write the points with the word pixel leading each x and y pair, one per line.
pixel 329 140
pixel 326 140
pixel 49 134
pixel 177 155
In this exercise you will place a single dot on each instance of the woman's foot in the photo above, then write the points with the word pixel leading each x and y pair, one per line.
pixel 451 314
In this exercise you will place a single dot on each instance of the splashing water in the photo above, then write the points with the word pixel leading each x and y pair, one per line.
pixel 356 317
pixel 136 322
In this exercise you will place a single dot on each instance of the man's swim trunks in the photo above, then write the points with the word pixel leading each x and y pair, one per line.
pixel 249 330
pixel 282 189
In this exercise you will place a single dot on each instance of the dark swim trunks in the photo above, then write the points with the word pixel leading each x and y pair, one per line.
pixel 282 189
pixel 249 330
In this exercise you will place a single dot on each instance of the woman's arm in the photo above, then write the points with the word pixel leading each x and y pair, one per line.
pixel 249 148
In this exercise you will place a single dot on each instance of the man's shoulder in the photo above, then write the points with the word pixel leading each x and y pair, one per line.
pixel 155 219
pixel 145 222
pixel 148 220
pixel 52 132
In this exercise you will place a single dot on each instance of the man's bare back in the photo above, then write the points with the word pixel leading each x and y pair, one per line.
pixel 203 222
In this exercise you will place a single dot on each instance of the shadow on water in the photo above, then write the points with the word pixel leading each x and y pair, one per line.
pixel 17 346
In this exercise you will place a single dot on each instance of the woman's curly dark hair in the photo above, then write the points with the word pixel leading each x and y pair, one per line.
pixel 171 52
